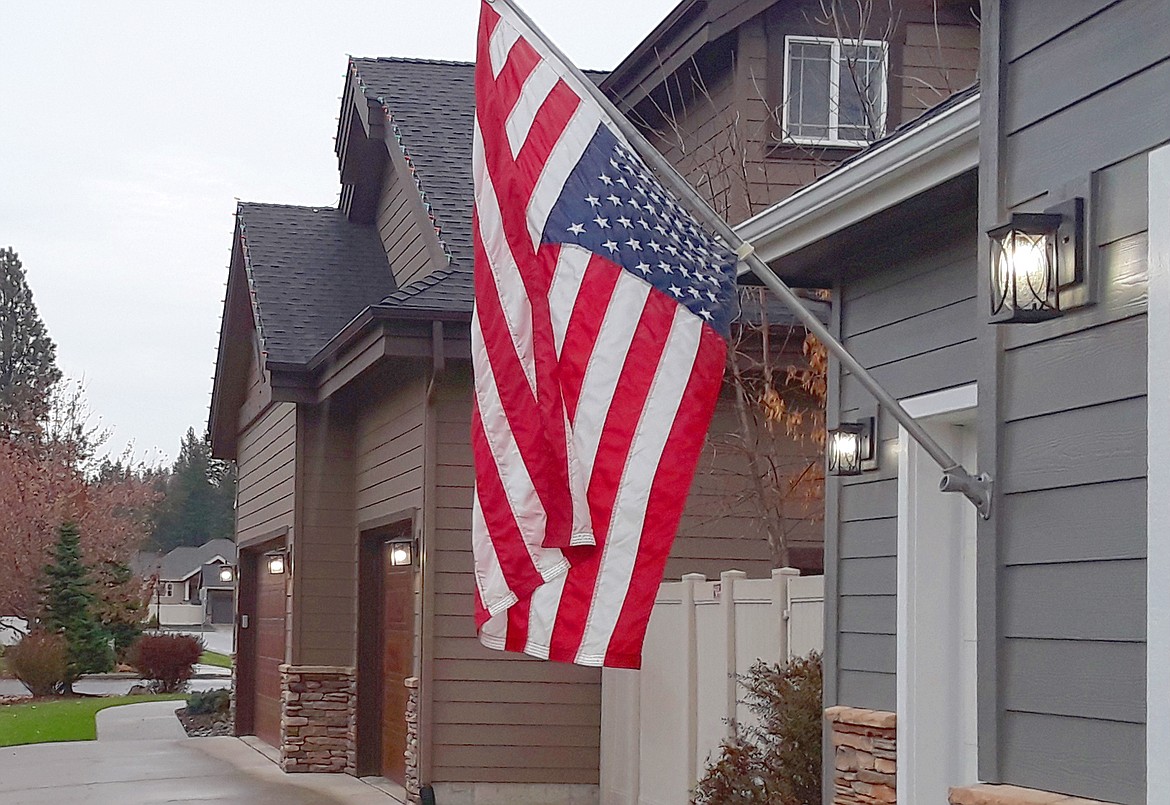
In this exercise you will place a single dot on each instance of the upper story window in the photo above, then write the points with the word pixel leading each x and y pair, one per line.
pixel 835 90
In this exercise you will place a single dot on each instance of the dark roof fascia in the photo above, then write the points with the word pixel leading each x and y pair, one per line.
pixel 643 59
pixel 672 44
pixel 224 441
pixel 297 382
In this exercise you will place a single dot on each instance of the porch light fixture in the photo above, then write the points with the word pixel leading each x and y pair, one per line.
pixel 227 574
pixel 276 563
pixel 1038 263
pixel 402 553
pixel 850 445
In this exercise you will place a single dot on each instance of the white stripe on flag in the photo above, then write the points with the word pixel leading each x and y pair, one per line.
pixel 517 483
pixel 562 294
pixel 620 552
pixel 564 157
pixel 537 86
pixel 605 367
pixel 503 38
pixel 542 616
pixel 509 283
pixel 489 576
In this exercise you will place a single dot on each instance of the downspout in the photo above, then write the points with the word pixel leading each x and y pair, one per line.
pixel 426 628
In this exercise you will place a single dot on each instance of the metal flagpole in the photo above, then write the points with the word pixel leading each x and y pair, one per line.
pixel 955 478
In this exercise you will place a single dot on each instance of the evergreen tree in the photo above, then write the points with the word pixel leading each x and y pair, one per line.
pixel 28 366
pixel 199 501
pixel 119 605
pixel 68 609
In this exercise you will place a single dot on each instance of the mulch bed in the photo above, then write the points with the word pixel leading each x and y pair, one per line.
pixel 205 725
pixel 15 699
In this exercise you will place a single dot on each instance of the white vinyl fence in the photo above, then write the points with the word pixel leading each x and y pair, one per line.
pixel 176 614
pixel 660 725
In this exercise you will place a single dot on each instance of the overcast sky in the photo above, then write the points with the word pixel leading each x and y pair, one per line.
pixel 128 130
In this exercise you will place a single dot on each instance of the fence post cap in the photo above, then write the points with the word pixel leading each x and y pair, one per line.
pixel 693 577
pixel 733 574
pixel 780 572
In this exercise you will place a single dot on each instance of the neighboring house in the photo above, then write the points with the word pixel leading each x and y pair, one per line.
pixel 753 99
pixel 1022 657
pixel 193 585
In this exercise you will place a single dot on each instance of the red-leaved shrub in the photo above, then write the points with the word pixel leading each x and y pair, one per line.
pixel 166 661
pixel 39 661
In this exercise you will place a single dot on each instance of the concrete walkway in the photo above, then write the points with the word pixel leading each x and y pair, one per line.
pixel 143 757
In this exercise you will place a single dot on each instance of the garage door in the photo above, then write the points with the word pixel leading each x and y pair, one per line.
pixel 219 605
pixel 268 643
pixel 397 662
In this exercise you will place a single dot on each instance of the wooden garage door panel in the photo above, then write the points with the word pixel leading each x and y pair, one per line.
pixel 270 644
pixel 397 662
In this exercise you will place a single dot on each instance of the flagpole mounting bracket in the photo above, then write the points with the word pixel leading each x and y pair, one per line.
pixel 976 488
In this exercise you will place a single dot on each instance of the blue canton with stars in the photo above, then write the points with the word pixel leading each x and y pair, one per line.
pixel 613 206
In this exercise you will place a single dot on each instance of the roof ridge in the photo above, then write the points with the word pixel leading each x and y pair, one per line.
pixel 277 205
pixel 411 60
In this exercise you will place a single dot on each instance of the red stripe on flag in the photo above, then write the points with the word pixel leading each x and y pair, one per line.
pixel 621 424
pixel 488 20
pixel 541 443
pixel 522 60
pixel 593 297
pixel 515 562
pixel 517 631
pixel 667 499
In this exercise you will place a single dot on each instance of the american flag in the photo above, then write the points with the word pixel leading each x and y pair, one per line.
pixel 598 343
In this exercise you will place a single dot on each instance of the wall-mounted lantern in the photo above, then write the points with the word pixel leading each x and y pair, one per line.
pixel 227 574
pixel 276 562
pixel 401 552
pixel 851 445
pixel 1038 264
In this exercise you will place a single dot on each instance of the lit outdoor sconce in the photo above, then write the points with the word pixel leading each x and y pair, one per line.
pixel 227 574
pixel 276 563
pixel 851 447
pixel 402 553
pixel 1038 264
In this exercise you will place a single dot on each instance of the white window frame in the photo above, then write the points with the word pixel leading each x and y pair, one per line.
pixel 834 88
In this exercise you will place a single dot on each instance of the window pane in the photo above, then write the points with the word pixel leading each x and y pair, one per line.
pixel 808 99
pixel 860 77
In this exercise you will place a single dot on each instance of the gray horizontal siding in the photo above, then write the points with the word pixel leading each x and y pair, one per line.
pixel 1085 95
pixel 1091 758
pixel 910 318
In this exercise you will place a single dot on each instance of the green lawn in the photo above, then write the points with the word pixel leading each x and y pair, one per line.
pixel 216 659
pixel 61 719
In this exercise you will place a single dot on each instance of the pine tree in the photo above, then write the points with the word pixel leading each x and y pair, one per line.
pixel 28 366
pixel 68 609
pixel 199 502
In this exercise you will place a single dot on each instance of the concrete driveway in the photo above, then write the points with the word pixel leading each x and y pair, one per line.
pixel 143 757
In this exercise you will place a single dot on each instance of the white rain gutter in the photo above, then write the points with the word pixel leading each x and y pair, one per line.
pixel 925 157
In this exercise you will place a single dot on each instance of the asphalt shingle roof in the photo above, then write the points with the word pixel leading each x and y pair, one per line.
pixel 432 108
pixel 312 271
pixel 181 562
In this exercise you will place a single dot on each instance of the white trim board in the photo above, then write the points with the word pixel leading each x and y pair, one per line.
pixel 936 639
pixel 1158 483
pixel 885 175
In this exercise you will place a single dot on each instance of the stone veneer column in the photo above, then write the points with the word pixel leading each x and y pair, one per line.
pixel 865 756
pixel 318 718
pixel 413 783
